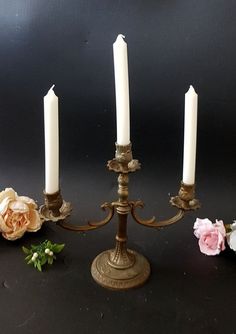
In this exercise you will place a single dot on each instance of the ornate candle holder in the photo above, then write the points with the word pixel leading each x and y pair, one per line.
pixel 121 268
pixel 55 208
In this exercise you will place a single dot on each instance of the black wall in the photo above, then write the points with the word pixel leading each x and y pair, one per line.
pixel 171 45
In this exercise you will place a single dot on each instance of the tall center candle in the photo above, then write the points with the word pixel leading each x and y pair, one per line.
pixel 190 136
pixel 51 134
pixel 122 90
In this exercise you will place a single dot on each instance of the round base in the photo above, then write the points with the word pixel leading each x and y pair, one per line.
pixel 120 279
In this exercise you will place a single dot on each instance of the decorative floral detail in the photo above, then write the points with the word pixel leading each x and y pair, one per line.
pixel 44 253
pixel 18 214
pixel 211 236
pixel 118 167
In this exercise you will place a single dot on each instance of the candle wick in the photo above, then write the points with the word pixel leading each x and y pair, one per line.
pixel 120 35
pixel 191 89
pixel 52 87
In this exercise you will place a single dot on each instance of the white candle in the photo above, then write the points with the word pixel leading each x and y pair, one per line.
pixel 122 90
pixel 190 136
pixel 51 142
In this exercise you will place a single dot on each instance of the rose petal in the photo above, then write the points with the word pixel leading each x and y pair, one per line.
pixel 4 205
pixel 211 243
pixel 233 226
pixel 202 222
pixel 18 207
pixel 14 234
pixel 35 221
pixel 29 201
pixel 231 239
pixel 202 225
pixel 3 226
pixel 220 226
pixel 8 192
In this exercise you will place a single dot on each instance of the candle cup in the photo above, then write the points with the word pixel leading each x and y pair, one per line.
pixel 123 161
pixel 123 153
pixel 55 208
pixel 186 198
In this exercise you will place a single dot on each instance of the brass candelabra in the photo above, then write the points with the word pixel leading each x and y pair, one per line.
pixel 121 268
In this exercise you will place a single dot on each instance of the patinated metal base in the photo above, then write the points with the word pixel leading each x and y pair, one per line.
pixel 55 208
pixel 116 278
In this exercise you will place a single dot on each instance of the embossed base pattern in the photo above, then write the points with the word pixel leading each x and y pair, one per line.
pixel 120 279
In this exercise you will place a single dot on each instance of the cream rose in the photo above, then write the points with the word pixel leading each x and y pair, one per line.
pixel 18 214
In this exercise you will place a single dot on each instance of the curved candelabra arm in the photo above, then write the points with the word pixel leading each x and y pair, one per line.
pixel 152 222
pixel 91 225
pixel 140 204
pixel 105 206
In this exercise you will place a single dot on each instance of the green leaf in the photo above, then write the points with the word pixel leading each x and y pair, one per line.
pixel 25 250
pixel 28 257
pixel 35 248
pixel 42 258
pixel 48 244
pixel 39 266
pixel 57 248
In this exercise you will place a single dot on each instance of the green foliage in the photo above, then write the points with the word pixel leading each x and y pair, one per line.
pixel 42 254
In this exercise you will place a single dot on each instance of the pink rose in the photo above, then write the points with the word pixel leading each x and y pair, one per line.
pixel 18 214
pixel 211 236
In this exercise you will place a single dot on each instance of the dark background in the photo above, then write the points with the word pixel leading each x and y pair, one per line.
pixel 171 45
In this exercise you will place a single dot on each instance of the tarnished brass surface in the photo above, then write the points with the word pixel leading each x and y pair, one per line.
pixel 55 208
pixel 118 167
pixel 123 161
pixel 186 198
pixel 121 268
pixel 120 279
pixel 153 222
pixel 91 225
pixel 123 153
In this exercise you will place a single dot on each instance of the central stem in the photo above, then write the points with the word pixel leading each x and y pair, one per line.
pixel 120 257
pixel 121 268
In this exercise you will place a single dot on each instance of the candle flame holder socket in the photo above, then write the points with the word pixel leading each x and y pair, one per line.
pixel 121 268
pixel 55 208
